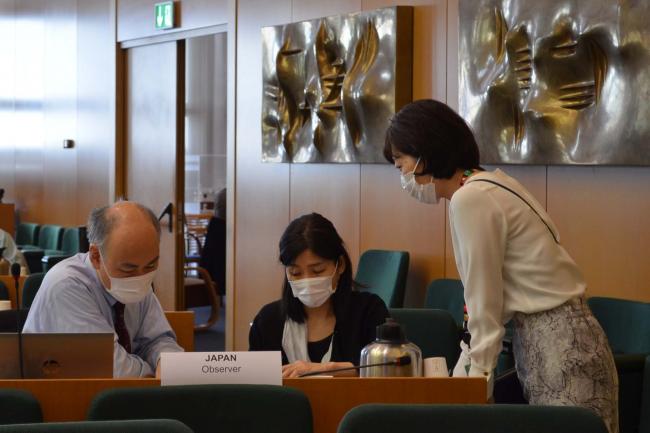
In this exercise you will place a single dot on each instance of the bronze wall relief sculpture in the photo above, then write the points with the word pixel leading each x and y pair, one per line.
pixel 330 85
pixel 557 81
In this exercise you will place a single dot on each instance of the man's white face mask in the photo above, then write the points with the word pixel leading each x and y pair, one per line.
pixel 131 289
pixel 424 193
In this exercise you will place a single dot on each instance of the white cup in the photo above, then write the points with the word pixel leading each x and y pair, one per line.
pixel 435 367
pixel 5 305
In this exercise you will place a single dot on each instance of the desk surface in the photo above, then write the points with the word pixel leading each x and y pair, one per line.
pixel 330 398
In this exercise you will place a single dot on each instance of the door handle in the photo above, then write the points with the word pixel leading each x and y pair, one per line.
pixel 168 211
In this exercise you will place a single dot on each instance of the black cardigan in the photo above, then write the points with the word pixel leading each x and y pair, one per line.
pixel 354 329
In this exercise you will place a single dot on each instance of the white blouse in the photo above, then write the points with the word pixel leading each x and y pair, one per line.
pixel 508 260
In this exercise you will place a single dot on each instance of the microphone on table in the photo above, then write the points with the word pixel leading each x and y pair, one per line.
pixel 402 360
pixel 15 273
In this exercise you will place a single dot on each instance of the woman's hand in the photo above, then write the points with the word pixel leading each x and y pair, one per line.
pixel 295 369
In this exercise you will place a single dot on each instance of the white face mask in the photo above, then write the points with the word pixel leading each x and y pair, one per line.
pixel 313 292
pixel 131 289
pixel 424 193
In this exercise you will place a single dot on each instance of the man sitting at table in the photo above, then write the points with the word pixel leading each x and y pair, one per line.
pixel 108 289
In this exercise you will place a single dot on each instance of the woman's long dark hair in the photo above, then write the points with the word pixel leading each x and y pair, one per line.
pixel 316 233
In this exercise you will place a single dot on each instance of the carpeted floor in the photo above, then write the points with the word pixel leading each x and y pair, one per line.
pixel 213 339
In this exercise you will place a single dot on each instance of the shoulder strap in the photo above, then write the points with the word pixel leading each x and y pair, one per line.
pixel 522 199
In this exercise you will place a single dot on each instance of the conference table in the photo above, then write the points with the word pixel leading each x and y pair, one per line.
pixel 330 398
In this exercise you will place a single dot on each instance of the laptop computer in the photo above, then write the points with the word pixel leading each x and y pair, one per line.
pixel 58 356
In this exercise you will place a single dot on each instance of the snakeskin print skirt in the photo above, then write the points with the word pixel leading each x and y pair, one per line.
pixel 563 359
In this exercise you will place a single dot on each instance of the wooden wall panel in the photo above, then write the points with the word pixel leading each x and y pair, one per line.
pixel 135 18
pixel 602 215
pixel 7 89
pixel 332 191
pixel 262 190
pixel 55 54
pixel 28 116
pixel 96 83
pixel 60 111
pixel 391 219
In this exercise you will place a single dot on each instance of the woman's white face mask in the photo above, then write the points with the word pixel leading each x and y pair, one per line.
pixel 424 193
pixel 313 292
pixel 131 289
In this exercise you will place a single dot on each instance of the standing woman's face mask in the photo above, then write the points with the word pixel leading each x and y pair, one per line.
pixel 425 193
pixel 313 280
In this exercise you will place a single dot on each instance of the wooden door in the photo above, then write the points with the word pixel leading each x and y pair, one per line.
pixel 154 151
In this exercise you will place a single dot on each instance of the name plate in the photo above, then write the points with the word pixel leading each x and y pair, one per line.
pixel 198 368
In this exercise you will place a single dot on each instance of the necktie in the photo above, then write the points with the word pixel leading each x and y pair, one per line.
pixel 120 327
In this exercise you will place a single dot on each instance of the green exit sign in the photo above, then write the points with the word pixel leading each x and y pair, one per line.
pixel 164 14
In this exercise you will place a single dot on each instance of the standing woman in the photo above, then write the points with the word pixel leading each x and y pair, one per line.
pixel 512 265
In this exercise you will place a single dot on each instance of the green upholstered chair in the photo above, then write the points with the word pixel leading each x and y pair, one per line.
pixel 446 294
pixel 500 418
pixel 49 238
pixel 630 369
pixel 129 426
pixel 210 408
pixel 384 273
pixel 4 292
pixel 644 422
pixel 626 323
pixel 433 331
pixel 27 235
pixel 71 244
pixel 18 406
pixel 30 289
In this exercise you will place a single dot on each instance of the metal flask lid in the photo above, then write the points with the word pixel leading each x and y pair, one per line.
pixel 390 332
pixel 383 357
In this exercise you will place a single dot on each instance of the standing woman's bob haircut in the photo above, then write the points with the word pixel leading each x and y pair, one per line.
pixel 433 132
pixel 316 233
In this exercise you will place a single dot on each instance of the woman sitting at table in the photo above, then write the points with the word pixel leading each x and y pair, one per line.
pixel 322 321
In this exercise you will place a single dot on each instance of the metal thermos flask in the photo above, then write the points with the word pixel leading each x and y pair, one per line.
pixel 391 345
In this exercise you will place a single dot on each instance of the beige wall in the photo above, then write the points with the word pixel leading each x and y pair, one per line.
pixel 57 82
pixel 601 212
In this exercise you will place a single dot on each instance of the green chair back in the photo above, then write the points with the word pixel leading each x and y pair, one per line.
pixel 130 426
pixel 446 294
pixel 18 407
pixel 27 234
pixel 499 418
pixel 384 274
pixel 644 423
pixel 630 369
pixel 49 237
pixel 30 289
pixel 626 323
pixel 70 243
pixel 4 292
pixel 433 331
pixel 210 408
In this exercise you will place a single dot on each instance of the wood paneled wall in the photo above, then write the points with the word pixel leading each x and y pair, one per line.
pixel 601 212
pixel 58 82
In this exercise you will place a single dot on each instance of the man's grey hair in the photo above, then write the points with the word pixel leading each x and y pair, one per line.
pixel 101 223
